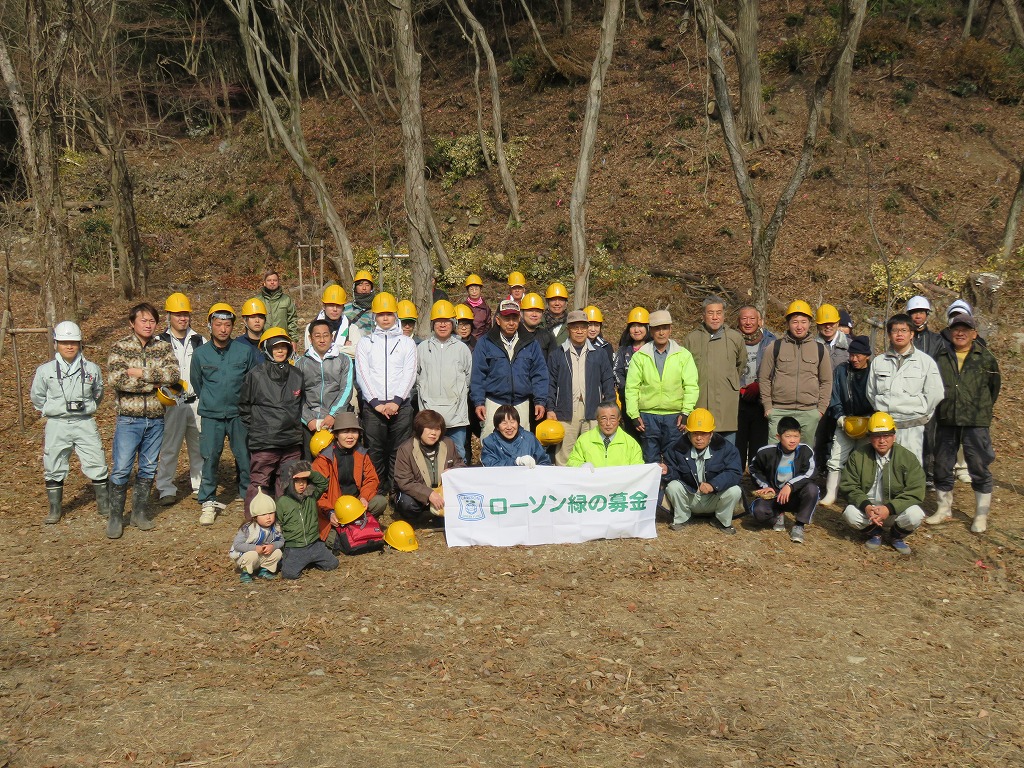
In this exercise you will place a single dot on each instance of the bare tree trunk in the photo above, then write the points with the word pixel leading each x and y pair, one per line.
pixel 270 72
pixel 752 128
pixel 537 37
pixel 578 201
pixel 125 230
pixel 48 42
pixel 763 234
pixel 840 122
pixel 972 6
pixel 1014 17
pixel 566 17
pixel 407 80
pixel 1012 219
pixel 499 142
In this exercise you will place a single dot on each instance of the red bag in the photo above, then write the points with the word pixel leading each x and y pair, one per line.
pixel 356 538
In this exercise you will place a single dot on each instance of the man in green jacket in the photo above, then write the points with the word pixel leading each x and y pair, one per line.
pixel 606 445
pixel 971 383
pixel 661 389
pixel 217 372
pixel 720 356
pixel 883 484
pixel 280 307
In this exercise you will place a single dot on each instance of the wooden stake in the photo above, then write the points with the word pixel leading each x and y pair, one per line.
pixel 298 247
pixel 17 378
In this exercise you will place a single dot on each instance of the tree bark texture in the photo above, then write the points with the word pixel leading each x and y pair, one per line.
pixel 840 119
pixel 499 142
pixel 273 73
pixel 752 120
pixel 1015 23
pixel 47 46
pixel 972 6
pixel 1012 220
pixel 578 201
pixel 763 233
pixel 418 213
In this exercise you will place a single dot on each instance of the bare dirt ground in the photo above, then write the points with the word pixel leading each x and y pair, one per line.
pixel 692 649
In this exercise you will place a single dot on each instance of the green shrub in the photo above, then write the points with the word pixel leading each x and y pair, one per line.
pixel 902 273
pixel 461 157
pixel 993 72
pixel 882 43
pixel 520 67
pixel 91 238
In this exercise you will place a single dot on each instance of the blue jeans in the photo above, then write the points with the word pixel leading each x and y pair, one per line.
pixel 660 433
pixel 458 435
pixel 135 436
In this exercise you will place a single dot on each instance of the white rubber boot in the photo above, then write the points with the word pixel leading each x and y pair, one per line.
pixel 831 487
pixel 944 511
pixel 982 503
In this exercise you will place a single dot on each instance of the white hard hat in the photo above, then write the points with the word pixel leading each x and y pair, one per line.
pixel 918 302
pixel 67 331
pixel 959 307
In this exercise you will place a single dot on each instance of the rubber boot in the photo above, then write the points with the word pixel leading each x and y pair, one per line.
pixel 115 520
pixel 140 504
pixel 831 487
pixel 102 490
pixel 982 503
pixel 55 493
pixel 945 509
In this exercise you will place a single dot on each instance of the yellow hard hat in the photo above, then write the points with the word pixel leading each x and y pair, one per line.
pixel 384 302
pixel 462 312
pixel 638 315
pixel 271 334
pixel 334 294
pixel 177 302
pixel 550 432
pixel 532 301
pixel 320 440
pixel 557 291
pixel 221 307
pixel 473 280
pixel 407 310
pixel 443 310
pixel 855 427
pixel 168 394
pixel 881 423
pixel 700 420
pixel 593 314
pixel 254 307
pixel 361 275
pixel 347 509
pixel 516 278
pixel 799 308
pixel 826 314
pixel 401 536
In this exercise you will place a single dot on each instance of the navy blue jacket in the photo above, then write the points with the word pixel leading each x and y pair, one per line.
pixel 496 451
pixel 722 471
pixel 849 392
pixel 508 382
pixel 598 385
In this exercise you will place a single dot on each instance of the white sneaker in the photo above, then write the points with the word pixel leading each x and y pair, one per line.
pixel 209 515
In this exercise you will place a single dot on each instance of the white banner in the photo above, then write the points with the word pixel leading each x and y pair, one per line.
pixel 508 506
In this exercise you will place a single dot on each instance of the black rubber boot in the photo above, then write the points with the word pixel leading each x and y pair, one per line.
pixel 102 491
pixel 55 493
pixel 115 519
pixel 140 504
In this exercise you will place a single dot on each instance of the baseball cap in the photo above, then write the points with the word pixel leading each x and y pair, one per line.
pixel 660 317
pixel 576 316
pixel 508 307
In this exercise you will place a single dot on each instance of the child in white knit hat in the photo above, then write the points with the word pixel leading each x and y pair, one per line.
pixel 257 545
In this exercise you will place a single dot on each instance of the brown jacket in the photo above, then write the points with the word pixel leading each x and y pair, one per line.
pixel 802 378
pixel 137 397
pixel 412 475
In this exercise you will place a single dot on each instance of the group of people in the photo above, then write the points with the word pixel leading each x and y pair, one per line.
pixel 369 415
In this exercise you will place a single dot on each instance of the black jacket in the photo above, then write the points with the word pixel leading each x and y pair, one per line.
pixel 722 471
pixel 766 464
pixel 271 406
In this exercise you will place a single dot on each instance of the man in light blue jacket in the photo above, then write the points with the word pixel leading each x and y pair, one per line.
pixel 905 383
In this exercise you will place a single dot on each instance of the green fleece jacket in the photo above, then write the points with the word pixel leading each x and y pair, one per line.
pixel 903 484
pixel 675 391
pixel 299 518
pixel 970 392
pixel 622 451
pixel 280 311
